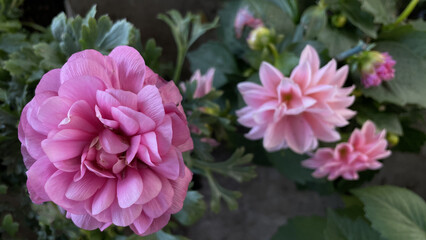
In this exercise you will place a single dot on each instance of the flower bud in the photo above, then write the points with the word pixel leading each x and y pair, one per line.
pixel 338 20
pixel 259 38
pixel 392 139
pixel 376 67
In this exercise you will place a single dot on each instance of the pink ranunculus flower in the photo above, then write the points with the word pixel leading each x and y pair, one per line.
pixel 245 18
pixel 362 152
pixel 103 139
pixel 378 68
pixel 295 112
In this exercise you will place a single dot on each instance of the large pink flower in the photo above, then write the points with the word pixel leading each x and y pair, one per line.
pixel 103 139
pixel 362 152
pixel 295 112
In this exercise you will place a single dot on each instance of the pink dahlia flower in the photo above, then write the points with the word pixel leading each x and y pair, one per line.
pixel 379 69
pixel 245 18
pixel 204 83
pixel 103 139
pixel 362 152
pixel 295 112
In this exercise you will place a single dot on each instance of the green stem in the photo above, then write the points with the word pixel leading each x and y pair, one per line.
pixel 274 51
pixel 407 11
pixel 179 63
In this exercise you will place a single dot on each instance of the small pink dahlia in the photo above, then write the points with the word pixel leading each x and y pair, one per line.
pixel 295 112
pixel 204 82
pixel 379 68
pixel 245 18
pixel 103 138
pixel 362 152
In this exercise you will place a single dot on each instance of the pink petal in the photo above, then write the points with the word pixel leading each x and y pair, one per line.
pixel 133 149
pixel 169 166
pixel 131 68
pixel 124 216
pixel 112 143
pixel 180 188
pixel 298 134
pixel 129 188
pixel 157 224
pixel 150 103
pixel 85 188
pixel 62 150
pixel 81 88
pixel 53 111
pixel 126 98
pixel 164 135
pixel 274 138
pixel 50 82
pixel 152 186
pixel 127 124
pixel 145 124
pixel 82 117
pixel 310 55
pixel 141 224
pixel 270 76
pixel 159 205
pixel 104 197
pixel 37 177
pixel 302 75
pixel 86 221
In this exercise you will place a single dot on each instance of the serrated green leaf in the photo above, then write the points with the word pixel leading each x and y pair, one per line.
pixel 409 37
pixel 302 228
pixel 409 84
pixel 219 192
pixel 117 35
pixel 58 26
pixel 151 53
pixel 290 7
pixel 396 213
pixel 286 62
pixel 12 42
pixel 344 228
pixel 193 209
pixel 384 11
pixel 9 225
pixel 50 54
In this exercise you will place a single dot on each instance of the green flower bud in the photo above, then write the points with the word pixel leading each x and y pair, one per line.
pixel 259 38
pixel 392 139
pixel 338 20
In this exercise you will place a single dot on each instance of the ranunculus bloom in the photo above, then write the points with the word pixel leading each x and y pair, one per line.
pixel 103 139
pixel 362 152
pixel 295 112
pixel 245 18
pixel 204 82
pixel 379 68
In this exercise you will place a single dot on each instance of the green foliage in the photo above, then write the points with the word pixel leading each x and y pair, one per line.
pixel 384 11
pixel 302 228
pixel 193 209
pixel 396 213
pixel 288 163
pixel 9 226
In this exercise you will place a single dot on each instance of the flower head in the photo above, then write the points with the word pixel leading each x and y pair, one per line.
pixel 259 38
pixel 103 139
pixel 295 112
pixel 245 18
pixel 376 68
pixel 362 152
pixel 204 82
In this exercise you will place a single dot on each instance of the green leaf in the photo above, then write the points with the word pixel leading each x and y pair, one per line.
pixel 384 11
pixel 359 18
pixel 383 120
pixel 151 53
pixel 337 41
pixel 412 141
pixel 396 213
pixel 193 209
pixel 289 164
pixel 9 225
pixel 12 42
pixel 408 36
pixel 50 54
pixel 286 62
pixel 418 24
pixel 213 54
pixel 302 228
pixel 409 84
pixel 344 228
pixel 288 6
pixel 219 192
pixel 313 20
pixel 118 35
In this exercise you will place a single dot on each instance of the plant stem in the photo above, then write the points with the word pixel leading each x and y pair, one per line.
pixel 407 11
pixel 362 46
pixel 274 52
pixel 179 63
